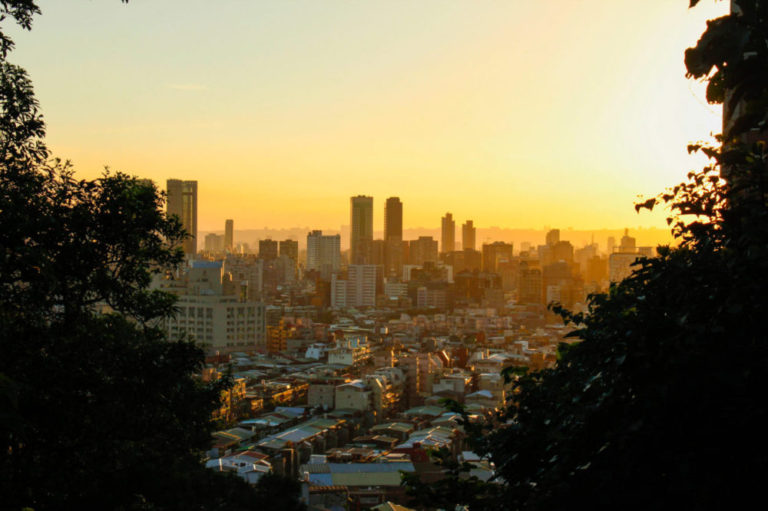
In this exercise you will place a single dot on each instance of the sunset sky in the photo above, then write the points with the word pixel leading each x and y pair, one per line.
pixel 513 113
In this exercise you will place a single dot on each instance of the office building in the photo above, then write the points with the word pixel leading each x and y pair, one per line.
pixel 229 235
pixel 393 219
pixel 182 202
pixel 361 229
pixel 448 238
pixel 468 232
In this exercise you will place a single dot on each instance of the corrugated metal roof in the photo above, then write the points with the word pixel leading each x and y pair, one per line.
pixel 315 468
pixel 357 468
pixel 397 426
pixel 378 468
pixel 367 479
pixel 321 479
pixel 434 411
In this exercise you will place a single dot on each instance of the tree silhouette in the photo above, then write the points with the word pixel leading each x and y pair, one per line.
pixel 663 402
pixel 98 410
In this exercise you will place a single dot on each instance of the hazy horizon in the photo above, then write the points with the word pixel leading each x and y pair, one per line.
pixel 646 236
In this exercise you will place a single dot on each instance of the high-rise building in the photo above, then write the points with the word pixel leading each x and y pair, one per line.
pixel 361 291
pixel 628 243
pixel 209 314
pixel 448 238
pixel 323 253
pixel 214 243
pixel 422 250
pixel 562 251
pixel 267 249
pixel 361 229
pixel 339 288
pixel 290 248
pixel 494 253
pixel 229 235
pixel 620 264
pixel 182 202
pixel 468 235
pixel 553 237
pixel 530 283
pixel 393 219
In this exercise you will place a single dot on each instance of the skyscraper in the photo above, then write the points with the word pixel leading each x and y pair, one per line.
pixel 393 220
pixel 361 229
pixel 448 238
pixel 229 235
pixel 468 235
pixel 323 253
pixel 182 202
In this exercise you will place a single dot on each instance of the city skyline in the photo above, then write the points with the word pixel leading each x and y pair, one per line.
pixel 362 214
pixel 504 112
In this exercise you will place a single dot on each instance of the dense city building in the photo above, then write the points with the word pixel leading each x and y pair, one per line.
pixel 495 253
pixel 181 201
pixel 361 229
pixel 323 253
pixel 468 232
pixel 448 234
pixel 229 235
pixel 290 249
pixel 393 219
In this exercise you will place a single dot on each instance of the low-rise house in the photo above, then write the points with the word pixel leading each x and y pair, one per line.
pixel 249 465
pixel 369 484
pixel 352 351
pixel 228 440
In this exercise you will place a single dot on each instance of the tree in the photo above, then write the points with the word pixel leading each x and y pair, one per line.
pixel 663 402
pixel 97 408
pixel 456 486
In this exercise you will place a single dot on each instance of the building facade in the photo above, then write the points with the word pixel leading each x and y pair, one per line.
pixel 323 253
pixel 468 232
pixel 182 202
pixel 361 229
pixel 393 219
pixel 448 238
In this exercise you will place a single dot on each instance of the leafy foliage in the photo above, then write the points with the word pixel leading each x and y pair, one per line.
pixel 662 403
pixel 456 486
pixel 97 408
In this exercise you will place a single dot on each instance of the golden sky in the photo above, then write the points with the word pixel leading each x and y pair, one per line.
pixel 513 113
